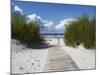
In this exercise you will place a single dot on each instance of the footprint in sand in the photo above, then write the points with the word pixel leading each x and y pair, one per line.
pixel 32 64
pixel 21 68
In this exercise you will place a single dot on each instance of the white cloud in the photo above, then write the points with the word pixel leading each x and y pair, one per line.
pixel 49 24
pixel 35 17
pixel 62 24
pixel 17 8
pixel 45 25
pixel 32 17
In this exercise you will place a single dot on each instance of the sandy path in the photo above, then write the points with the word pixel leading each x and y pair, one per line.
pixel 58 60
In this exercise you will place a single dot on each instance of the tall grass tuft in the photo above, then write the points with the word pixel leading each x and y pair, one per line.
pixel 28 33
pixel 81 31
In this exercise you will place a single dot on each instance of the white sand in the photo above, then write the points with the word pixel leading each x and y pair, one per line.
pixel 33 60
pixel 84 58
pixel 27 60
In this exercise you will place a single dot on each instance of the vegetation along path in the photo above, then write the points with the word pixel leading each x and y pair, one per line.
pixel 58 60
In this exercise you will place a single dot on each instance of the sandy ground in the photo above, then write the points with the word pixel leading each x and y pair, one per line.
pixel 84 58
pixel 25 60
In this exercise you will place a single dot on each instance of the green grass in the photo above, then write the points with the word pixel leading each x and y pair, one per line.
pixel 81 31
pixel 28 33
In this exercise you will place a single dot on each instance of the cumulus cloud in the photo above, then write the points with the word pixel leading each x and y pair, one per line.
pixel 31 17
pixel 35 17
pixel 18 9
pixel 49 24
pixel 45 25
pixel 62 24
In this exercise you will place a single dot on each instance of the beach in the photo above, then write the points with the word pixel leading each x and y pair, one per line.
pixel 28 60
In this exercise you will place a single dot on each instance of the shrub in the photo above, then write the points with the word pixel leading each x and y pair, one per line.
pixel 28 33
pixel 81 31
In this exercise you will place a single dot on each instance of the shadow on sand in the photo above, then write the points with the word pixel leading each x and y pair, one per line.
pixel 39 46
pixel 43 45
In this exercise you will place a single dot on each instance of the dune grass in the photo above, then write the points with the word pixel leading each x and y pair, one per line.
pixel 81 31
pixel 28 33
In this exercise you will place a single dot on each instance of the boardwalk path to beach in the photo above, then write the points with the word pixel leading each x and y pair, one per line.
pixel 58 60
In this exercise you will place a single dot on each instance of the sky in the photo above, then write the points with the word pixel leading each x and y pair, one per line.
pixel 52 14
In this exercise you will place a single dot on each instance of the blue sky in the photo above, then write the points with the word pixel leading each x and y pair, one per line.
pixel 55 12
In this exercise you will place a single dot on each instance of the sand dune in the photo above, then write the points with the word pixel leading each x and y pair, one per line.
pixel 27 60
